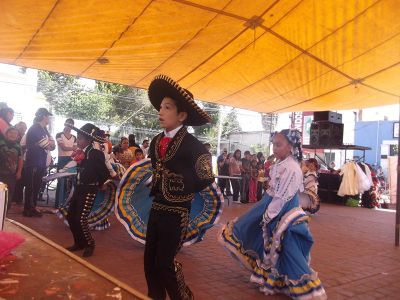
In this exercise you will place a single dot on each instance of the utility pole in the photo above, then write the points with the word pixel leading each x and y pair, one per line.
pixel 397 188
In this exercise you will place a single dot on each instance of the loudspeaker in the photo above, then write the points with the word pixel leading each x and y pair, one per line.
pixel 326 134
pixel 314 134
pixel 327 116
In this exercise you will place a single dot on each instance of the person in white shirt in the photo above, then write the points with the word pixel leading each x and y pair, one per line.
pixel 145 147
pixel 66 143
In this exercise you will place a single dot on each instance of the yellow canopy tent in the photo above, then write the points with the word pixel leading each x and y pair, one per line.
pixel 262 55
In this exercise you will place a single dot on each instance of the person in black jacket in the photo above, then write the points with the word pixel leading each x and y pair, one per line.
pixel 182 167
pixel 92 173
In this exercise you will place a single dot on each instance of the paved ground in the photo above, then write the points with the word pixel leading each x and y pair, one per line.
pixel 37 270
pixel 354 254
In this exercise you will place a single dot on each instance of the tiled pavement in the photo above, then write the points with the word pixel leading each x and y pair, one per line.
pixel 353 252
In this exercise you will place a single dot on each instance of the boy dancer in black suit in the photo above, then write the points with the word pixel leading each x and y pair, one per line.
pixel 182 167
pixel 92 173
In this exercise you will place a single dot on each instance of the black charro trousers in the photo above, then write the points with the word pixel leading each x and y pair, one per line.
pixel 78 212
pixel 166 230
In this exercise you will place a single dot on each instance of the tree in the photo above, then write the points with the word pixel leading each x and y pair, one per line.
pixel 255 148
pixel 269 121
pixel 131 105
pixel 230 124
pixel 108 103
pixel 68 97
pixel 213 111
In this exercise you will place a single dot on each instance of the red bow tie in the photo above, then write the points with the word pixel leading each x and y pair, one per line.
pixel 164 145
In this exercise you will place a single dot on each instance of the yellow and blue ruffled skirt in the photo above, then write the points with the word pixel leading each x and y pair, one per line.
pixel 278 252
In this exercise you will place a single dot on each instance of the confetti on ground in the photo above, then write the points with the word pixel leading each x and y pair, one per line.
pixel 9 281
pixel 117 295
pixel 18 274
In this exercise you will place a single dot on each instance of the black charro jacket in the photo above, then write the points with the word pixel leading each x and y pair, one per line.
pixel 92 169
pixel 185 169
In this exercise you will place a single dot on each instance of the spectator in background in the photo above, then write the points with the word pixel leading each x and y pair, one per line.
pixel 108 143
pixel 139 155
pixel 268 163
pixel 132 146
pixel 253 180
pixel 235 170
pixel 260 181
pixel 246 160
pixel 10 161
pixel 6 116
pixel 223 170
pixel 267 166
pixel 228 190
pixel 66 143
pixel 145 147
pixel 21 127
pixel 308 198
pixel 19 185
pixel 260 158
pixel 124 155
pixel 261 172
pixel 38 143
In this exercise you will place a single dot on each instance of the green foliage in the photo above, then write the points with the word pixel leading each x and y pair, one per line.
pixel 210 136
pixel 106 103
pixel 254 149
pixel 213 111
pixel 230 124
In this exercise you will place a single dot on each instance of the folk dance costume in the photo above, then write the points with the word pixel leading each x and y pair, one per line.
pixel 134 203
pixel 92 173
pixel 309 199
pixel 182 166
pixel 273 240
pixel 104 202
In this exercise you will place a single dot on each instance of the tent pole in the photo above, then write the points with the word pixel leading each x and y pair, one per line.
pixel 397 188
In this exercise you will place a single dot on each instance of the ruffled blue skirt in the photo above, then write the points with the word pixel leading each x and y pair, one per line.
pixel 134 203
pixel 278 252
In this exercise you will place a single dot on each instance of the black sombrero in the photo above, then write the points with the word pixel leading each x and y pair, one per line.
pixel 89 130
pixel 162 86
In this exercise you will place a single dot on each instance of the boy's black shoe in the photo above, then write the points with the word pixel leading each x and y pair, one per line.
pixel 74 248
pixel 88 251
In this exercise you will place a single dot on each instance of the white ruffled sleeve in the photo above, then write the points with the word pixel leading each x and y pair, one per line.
pixel 288 180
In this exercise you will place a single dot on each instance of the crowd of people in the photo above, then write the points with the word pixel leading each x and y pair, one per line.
pixel 247 175
pixel 249 178
pixel 26 155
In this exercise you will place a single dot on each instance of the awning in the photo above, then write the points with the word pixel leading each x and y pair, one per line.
pixel 262 55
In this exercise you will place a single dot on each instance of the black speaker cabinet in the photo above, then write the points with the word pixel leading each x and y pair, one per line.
pixel 314 134
pixel 326 134
pixel 327 116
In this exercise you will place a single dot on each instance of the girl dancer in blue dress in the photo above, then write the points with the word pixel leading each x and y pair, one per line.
pixel 272 239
